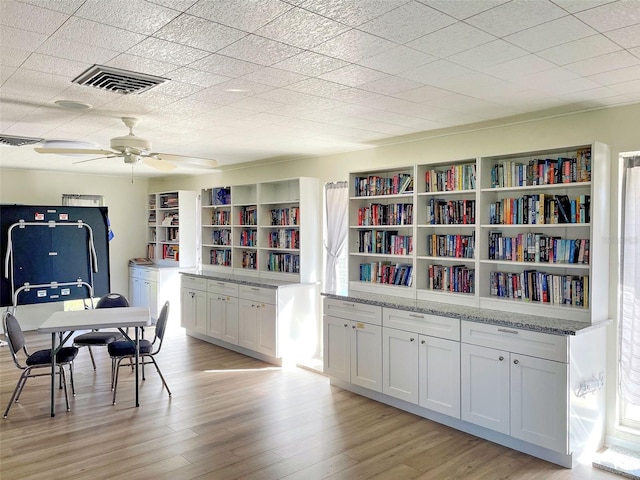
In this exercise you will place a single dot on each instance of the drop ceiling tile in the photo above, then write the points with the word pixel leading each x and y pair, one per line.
pixel 168 52
pixel 240 14
pixel 217 96
pixel 450 40
pixel 141 65
pixel 626 37
pixel 550 34
pixel 408 22
pixel 573 6
pixel 12 57
pixel 516 15
pixel 632 86
pixel 390 85
pixel 354 45
pixel 317 86
pixel 519 67
pixel 353 75
pixel 20 39
pixel 55 65
pixel 311 64
pixel 603 63
pixel 6 71
pixel 358 96
pixel 177 89
pixel 593 94
pixel 547 77
pixel 613 77
pixel 464 8
pixel 80 52
pixel 397 59
pixel 423 94
pixel 244 86
pixel 226 66
pixel 352 12
pixel 436 73
pixel 199 33
pixel 487 55
pixel 274 77
pixel 181 5
pixel 579 50
pixel 104 36
pixel 30 17
pixel 301 28
pixel 197 77
pixel 66 6
pixel 134 15
pixel 622 13
pixel 260 50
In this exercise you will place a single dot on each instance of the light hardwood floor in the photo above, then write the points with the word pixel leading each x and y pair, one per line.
pixel 235 417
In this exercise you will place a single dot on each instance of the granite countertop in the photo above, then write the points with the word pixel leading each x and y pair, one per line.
pixel 555 326
pixel 241 279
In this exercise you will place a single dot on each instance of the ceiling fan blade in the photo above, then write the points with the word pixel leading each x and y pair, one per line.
pixel 161 165
pixel 97 158
pixel 186 160
pixel 74 151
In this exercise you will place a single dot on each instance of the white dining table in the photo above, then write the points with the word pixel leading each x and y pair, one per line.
pixel 64 323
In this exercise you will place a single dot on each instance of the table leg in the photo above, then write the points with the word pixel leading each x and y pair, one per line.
pixel 137 329
pixel 53 374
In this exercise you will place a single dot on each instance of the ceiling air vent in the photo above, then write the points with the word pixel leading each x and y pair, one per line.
pixel 18 141
pixel 117 80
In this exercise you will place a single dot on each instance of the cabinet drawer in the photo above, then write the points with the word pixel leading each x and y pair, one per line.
pixel 194 283
pixel 258 294
pixel 359 312
pixel 535 344
pixel 222 288
pixel 142 273
pixel 422 323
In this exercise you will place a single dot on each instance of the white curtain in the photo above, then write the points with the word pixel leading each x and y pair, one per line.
pixel 630 320
pixel 336 197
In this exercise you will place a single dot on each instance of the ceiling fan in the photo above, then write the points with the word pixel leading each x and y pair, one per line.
pixel 134 150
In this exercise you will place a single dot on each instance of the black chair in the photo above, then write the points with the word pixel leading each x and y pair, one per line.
pixel 102 338
pixel 38 361
pixel 125 349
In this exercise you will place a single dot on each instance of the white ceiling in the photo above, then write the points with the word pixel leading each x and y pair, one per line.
pixel 257 79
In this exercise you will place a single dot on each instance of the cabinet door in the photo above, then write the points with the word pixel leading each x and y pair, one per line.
pixel 337 348
pixel 439 373
pixel 135 294
pixel 267 329
pixel 216 313
pixel 230 325
pixel 248 324
pixel 366 355
pixel 539 402
pixel 194 310
pixel 485 387
pixel 150 297
pixel 400 364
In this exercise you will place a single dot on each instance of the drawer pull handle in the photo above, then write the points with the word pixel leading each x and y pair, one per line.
pixel 423 342
pixel 346 325
pixel 506 330
pixel 346 304
pixel 411 339
pixel 515 362
pixel 415 315
pixel 220 283
pixel 501 358
pixel 255 289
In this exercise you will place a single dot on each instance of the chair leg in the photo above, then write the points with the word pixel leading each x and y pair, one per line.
pixel 14 396
pixel 93 362
pixel 73 385
pixel 115 380
pixel 160 373
pixel 63 379
pixel 21 383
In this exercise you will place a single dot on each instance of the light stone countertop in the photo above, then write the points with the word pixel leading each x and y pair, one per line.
pixel 555 326
pixel 242 279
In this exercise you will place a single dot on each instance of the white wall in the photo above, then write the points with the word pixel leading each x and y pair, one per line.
pixel 127 214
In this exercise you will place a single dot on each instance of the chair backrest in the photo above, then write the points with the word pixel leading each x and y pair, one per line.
pixel 15 337
pixel 113 300
pixel 161 324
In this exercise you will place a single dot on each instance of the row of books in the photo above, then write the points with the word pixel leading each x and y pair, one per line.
pixel 536 247
pixel 221 237
pixel 454 178
pixel 283 262
pixel 220 257
pixel 454 278
pixel 249 260
pixel 543 171
pixel 220 196
pixel 373 185
pixel 385 242
pixel 170 252
pixel 170 218
pixel 169 200
pixel 542 287
pixel 457 246
pixel 451 212
pixel 220 217
pixel 540 209
pixel 248 215
pixel 386 214
pixel 284 238
pixel 172 234
pixel 248 238
pixel 152 217
pixel 386 273
pixel 285 216
pixel 151 251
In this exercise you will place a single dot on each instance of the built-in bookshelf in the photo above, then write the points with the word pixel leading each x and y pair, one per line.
pixel 171 227
pixel 266 229
pixel 508 232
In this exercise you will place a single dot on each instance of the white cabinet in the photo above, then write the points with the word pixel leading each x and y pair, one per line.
pixel 194 304
pixel 151 286
pixel 222 311
pixel 257 320
pixel 439 370
pixel 516 394
pixel 400 372
pixel 353 347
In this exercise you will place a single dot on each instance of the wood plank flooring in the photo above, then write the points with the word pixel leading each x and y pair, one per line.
pixel 230 417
